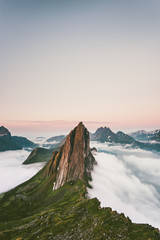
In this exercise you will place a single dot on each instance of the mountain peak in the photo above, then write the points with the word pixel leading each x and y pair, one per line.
pixel 104 134
pixel 74 159
pixel 4 131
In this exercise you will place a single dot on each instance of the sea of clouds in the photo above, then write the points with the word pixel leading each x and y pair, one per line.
pixel 12 172
pixel 125 179
pixel 128 181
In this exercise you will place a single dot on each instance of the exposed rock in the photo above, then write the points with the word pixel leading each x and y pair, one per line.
pixel 74 160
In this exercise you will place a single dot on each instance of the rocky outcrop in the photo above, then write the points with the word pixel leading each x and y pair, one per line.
pixel 74 160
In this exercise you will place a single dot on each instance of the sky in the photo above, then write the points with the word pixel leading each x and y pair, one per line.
pixel 80 61
pixel 128 181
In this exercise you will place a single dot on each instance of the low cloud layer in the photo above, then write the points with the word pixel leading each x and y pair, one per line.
pixel 12 172
pixel 128 181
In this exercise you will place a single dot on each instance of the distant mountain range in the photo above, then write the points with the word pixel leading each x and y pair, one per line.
pixel 8 142
pixel 104 134
pixel 143 135
pixel 54 204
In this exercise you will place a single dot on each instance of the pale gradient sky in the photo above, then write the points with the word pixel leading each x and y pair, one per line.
pixel 80 60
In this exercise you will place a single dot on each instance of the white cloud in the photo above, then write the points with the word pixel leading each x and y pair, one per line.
pixel 12 172
pixel 128 181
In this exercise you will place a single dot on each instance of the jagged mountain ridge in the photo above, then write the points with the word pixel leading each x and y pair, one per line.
pixel 143 135
pixel 104 134
pixel 74 159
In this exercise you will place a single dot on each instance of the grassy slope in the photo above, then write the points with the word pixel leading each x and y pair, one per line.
pixel 33 211
pixel 39 155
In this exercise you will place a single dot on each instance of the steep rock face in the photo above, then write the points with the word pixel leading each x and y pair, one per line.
pixel 74 160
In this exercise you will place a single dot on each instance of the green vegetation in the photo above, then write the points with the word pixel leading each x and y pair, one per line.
pixel 34 211
pixel 39 155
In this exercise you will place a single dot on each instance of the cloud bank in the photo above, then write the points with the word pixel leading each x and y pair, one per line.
pixel 128 180
pixel 12 172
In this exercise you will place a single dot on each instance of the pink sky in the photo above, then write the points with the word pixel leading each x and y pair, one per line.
pixel 51 128
pixel 77 61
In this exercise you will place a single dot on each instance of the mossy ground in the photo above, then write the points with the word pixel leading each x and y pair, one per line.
pixel 34 211
pixel 39 155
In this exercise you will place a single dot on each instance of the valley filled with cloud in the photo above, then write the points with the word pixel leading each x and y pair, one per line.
pixel 125 179
pixel 128 181
pixel 12 172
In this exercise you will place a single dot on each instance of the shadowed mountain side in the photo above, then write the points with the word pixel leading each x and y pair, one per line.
pixel 148 146
pixel 39 155
pixel 4 132
pixel 8 142
pixel 104 134
pixel 156 137
pixel 143 135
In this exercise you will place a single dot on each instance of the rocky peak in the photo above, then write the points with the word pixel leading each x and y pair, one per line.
pixel 74 159
pixel 104 134
pixel 4 132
